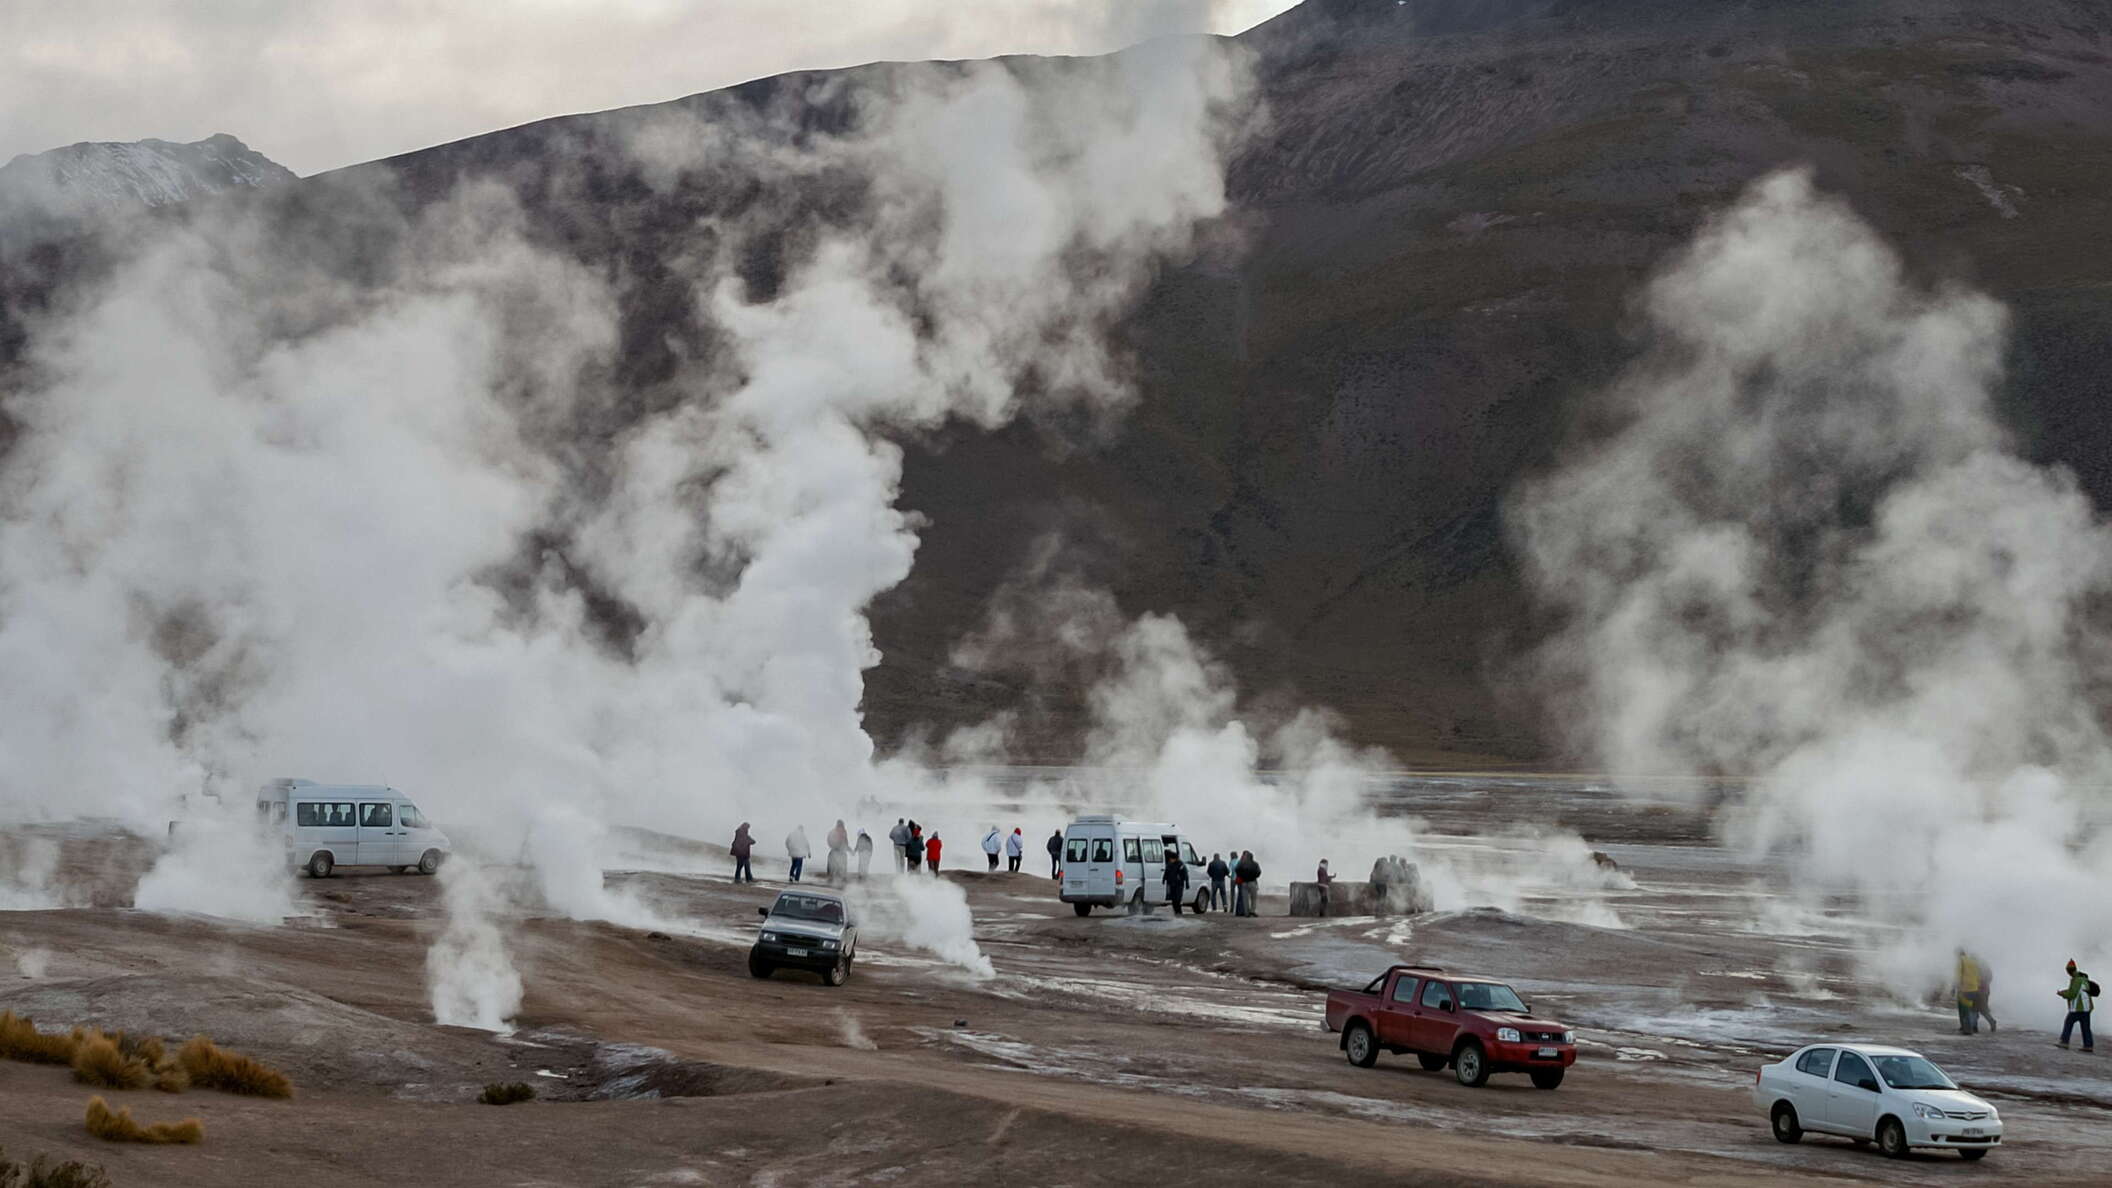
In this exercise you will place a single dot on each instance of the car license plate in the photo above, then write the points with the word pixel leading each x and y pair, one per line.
pixel 795 952
pixel 1547 1053
pixel 1974 1132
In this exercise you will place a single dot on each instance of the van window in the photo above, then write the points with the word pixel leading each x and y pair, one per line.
pixel 1188 854
pixel 1103 849
pixel 1404 990
pixel 1818 1062
pixel 1074 849
pixel 1154 851
pixel 409 817
pixel 1436 995
pixel 1129 850
pixel 376 815
pixel 322 814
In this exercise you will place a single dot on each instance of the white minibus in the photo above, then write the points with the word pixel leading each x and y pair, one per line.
pixel 1112 862
pixel 333 825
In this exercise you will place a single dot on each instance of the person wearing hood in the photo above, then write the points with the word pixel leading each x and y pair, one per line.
pixel 1218 872
pixel 913 853
pixel 2081 998
pixel 797 849
pixel 743 845
pixel 899 835
pixel 1973 986
pixel 1327 893
pixel 991 841
pixel 864 849
pixel 1056 854
pixel 839 853
pixel 1175 878
pixel 1249 872
pixel 1015 849
pixel 931 853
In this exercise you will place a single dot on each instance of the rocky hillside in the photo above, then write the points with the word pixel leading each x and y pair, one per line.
pixel 104 177
pixel 1445 213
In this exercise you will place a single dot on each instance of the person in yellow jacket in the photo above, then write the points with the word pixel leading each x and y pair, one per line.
pixel 1974 985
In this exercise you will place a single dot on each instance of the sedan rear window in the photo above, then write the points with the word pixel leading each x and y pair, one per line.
pixel 1818 1062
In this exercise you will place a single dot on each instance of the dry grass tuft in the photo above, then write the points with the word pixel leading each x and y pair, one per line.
pixel 506 1093
pixel 210 1066
pixel 118 1127
pixel 98 1060
pixel 41 1172
pixel 20 1040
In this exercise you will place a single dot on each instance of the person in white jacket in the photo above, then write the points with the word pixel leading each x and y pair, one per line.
pixel 1015 847
pixel 991 841
pixel 797 849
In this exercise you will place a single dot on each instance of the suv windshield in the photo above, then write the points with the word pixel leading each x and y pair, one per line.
pixel 808 907
pixel 1489 996
pixel 1911 1072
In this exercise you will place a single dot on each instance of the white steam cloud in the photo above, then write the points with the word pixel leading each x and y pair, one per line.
pixel 468 972
pixel 1809 554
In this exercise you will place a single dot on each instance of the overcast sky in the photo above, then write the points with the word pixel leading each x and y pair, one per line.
pixel 315 84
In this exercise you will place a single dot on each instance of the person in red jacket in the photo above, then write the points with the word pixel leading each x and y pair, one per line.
pixel 931 852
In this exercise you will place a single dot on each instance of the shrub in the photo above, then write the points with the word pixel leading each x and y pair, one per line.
pixel 118 1127
pixel 210 1066
pixel 41 1172
pixel 20 1040
pixel 506 1093
pixel 97 1060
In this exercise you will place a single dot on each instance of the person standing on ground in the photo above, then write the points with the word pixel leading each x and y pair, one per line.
pixel 1176 879
pixel 1327 892
pixel 1249 872
pixel 899 835
pixel 839 854
pixel 1218 872
pixel 931 853
pixel 913 853
pixel 2081 1000
pixel 797 849
pixel 743 845
pixel 864 849
pixel 1986 993
pixel 991 841
pixel 1055 854
pixel 1966 990
pixel 1015 849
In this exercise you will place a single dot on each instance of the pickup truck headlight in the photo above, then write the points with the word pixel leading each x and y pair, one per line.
pixel 827 944
pixel 1508 1035
pixel 1927 1111
pixel 770 936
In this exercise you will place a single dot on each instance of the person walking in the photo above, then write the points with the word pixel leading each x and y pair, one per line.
pixel 913 853
pixel 1249 872
pixel 899 835
pixel 1176 879
pixel 743 845
pixel 1055 854
pixel 931 853
pixel 797 849
pixel 839 854
pixel 864 850
pixel 1218 873
pixel 1015 849
pixel 992 841
pixel 2082 997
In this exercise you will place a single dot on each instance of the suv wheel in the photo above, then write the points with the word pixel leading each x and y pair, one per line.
pixel 1430 1061
pixel 1787 1128
pixel 1892 1138
pixel 1471 1065
pixel 1360 1045
pixel 839 973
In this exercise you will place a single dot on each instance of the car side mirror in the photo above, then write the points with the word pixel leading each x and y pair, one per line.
pixel 763 912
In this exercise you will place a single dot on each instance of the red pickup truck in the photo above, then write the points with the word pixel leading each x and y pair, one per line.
pixel 1476 1025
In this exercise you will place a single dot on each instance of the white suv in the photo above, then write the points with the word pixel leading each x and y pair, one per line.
pixel 1896 1098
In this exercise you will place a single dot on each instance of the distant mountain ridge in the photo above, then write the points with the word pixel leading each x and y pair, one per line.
pixel 100 177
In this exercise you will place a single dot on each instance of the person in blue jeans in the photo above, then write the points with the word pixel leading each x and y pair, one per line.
pixel 2080 1003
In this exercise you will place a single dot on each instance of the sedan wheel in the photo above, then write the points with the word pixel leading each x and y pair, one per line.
pixel 1787 1128
pixel 1892 1138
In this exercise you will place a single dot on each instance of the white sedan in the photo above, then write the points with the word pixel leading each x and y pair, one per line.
pixel 1890 1096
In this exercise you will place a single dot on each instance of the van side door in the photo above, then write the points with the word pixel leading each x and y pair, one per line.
pixel 1132 870
pixel 380 842
pixel 1154 853
pixel 331 825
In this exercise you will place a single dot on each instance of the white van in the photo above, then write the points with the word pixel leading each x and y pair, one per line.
pixel 1110 862
pixel 333 825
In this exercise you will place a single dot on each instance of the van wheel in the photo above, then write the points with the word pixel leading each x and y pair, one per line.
pixel 1430 1061
pixel 319 865
pixel 398 869
pixel 1137 906
pixel 1202 902
pixel 1470 1065
pixel 1787 1128
pixel 1083 909
pixel 1359 1046
pixel 1547 1078
pixel 1892 1138
pixel 429 862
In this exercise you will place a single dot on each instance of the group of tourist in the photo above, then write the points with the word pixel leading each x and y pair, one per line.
pixel 913 850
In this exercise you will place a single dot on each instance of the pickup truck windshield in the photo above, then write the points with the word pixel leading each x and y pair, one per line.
pixel 1489 996
pixel 808 907
pixel 1911 1072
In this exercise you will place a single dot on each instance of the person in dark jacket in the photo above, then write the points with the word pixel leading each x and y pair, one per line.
pixel 913 854
pixel 1055 851
pixel 1249 872
pixel 1176 879
pixel 1219 872
pixel 743 845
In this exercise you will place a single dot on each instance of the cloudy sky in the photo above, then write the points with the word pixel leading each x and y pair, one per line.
pixel 315 84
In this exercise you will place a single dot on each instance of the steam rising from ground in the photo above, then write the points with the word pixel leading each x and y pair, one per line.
pixel 1809 554
pixel 468 971
pixel 923 913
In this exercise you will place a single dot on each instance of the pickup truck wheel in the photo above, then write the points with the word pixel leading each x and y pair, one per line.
pixel 839 973
pixel 319 865
pixel 1892 1138
pixel 1360 1046
pixel 757 967
pixel 1083 909
pixel 1430 1061
pixel 1787 1128
pixel 1471 1065
pixel 1547 1078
